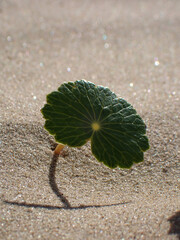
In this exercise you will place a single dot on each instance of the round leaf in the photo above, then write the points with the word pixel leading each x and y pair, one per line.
pixel 80 111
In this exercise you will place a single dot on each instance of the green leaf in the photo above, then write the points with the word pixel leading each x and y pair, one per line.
pixel 80 111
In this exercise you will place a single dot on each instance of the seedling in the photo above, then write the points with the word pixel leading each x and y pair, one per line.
pixel 80 111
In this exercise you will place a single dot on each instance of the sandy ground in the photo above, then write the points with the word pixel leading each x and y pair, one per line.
pixel 131 46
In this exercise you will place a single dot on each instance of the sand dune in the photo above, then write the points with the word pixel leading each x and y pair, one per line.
pixel 133 48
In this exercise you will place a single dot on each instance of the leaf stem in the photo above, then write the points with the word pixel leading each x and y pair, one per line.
pixel 58 149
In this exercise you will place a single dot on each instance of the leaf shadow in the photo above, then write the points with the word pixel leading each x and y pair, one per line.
pixel 175 224
pixel 55 189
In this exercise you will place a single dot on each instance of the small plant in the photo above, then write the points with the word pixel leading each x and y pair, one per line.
pixel 80 111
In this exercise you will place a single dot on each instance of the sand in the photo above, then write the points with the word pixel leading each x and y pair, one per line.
pixel 133 48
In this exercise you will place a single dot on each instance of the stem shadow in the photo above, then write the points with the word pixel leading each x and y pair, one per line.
pixel 52 182
pixel 55 189
pixel 50 207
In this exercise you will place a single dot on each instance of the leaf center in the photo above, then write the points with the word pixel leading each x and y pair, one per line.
pixel 95 126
